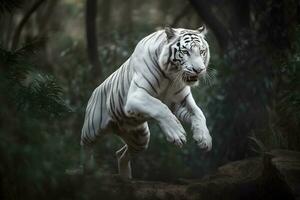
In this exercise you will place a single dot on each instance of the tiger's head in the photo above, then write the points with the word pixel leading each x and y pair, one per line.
pixel 185 55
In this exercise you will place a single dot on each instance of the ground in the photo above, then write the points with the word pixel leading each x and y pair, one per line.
pixel 274 175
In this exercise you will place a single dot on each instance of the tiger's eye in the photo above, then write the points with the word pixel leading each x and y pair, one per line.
pixel 185 52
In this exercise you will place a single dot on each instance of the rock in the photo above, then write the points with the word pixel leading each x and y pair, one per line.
pixel 235 180
pixel 276 175
pixel 287 168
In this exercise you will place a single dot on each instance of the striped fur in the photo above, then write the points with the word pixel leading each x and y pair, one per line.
pixel 154 83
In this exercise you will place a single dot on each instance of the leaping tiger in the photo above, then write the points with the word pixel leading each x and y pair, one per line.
pixel 154 83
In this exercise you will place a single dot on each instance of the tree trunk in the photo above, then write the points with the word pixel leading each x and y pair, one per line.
pixel 91 37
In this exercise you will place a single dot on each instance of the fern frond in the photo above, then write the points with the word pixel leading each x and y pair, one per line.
pixel 41 96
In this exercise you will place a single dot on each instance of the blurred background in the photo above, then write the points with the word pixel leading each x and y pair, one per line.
pixel 54 53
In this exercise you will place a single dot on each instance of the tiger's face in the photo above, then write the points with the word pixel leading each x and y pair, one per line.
pixel 186 55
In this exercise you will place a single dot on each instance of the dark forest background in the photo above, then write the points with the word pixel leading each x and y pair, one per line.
pixel 53 53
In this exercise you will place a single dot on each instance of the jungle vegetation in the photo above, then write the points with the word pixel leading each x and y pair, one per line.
pixel 54 53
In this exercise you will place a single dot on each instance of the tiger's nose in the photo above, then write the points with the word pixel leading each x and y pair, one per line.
pixel 197 70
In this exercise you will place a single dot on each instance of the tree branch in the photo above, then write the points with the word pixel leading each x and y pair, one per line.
pixel 26 17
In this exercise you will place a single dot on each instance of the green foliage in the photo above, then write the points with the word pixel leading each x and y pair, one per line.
pixel 284 111
pixel 40 133
pixel 29 154
pixel 32 91
pixel 41 95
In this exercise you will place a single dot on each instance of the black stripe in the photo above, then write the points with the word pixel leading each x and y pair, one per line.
pixel 89 111
pixel 182 111
pixel 101 112
pixel 170 54
pixel 170 49
pixel 105 96
pixel 128 72
pixel 112 106
pixel 179 90
pixel 141 87
pixel 123 85
pixel 93 125
pixel 185 115
pixel 156 54
pixel 121 103
pixel 112 80
pixel 157 66
pixel 121 107
pixel 162 72
pixel 152 72
pixel 118 79
pixel 190 34
pixel 175 59
pixel 116 88
pixel 184 99
pixel 153 88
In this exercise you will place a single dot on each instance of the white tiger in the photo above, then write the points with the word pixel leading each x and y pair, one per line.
pixel 154 83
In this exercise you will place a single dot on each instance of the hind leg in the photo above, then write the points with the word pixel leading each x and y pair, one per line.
pixel 124 166
pixel 136 140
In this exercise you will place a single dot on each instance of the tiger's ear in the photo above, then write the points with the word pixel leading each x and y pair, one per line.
pixel 170 32
pixel 202 30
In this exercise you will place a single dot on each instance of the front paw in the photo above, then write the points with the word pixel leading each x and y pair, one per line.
pixel 174 133
pixel 203 138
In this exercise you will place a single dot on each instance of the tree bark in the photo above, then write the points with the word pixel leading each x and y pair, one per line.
pixel 91 37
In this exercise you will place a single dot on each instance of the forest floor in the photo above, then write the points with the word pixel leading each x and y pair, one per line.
pixel 274 175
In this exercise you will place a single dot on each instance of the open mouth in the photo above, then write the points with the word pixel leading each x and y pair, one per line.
pixel 191 79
